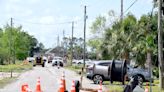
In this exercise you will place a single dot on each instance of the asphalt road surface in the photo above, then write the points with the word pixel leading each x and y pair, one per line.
pixel 49 78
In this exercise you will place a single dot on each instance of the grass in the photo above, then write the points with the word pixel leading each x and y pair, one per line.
pixel 18 67
pixel 6 81
pixel 76 68
pixel 117 87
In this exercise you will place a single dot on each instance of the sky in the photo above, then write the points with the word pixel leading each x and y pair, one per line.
pixel 46 19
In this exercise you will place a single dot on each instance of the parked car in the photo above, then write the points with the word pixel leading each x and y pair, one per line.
pixel 142 73
pixel 81 61
pixel 74 61
pixel 98 71
pixel 30 59
pixel 50 58
pixel 57 61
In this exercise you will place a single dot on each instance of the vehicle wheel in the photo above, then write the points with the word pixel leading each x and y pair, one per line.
pixel 79 63
pixel 77 85
pixel 43 64
pixel 140 78
pixel 97 79
pixel 34 65
pixel 61 65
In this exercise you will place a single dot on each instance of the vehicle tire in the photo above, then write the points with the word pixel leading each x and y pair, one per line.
pixel 77 85
pixel 79 63
pixel 97 79
pixel 141 78
pixel 61 64
pixel 43 64
pixel 34 65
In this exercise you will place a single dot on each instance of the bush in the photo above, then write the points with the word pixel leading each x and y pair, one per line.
pixel 156 72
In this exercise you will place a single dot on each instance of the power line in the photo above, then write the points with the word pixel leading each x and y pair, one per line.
pixel 130 6
pixel 37 23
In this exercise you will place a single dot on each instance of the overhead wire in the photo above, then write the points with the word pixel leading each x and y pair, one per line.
pixel 130 6
pixel 5 21
pixel 38 23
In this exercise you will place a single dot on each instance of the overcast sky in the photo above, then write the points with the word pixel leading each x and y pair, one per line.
pixel 46 19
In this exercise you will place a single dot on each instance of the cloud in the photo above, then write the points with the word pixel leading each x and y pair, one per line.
pixel 33 1
pixel 47 20
pixel 13 8
pixel 14 1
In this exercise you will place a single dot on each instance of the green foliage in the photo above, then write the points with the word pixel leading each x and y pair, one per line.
pixel 15 43
pixel 127 39
pixel 156 72
pixel 77 46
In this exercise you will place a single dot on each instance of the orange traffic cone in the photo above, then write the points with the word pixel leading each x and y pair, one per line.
pixel 38 86
pixel 61 87
pixel 73 87
pixel 146 89
pixel 24 86
pixel 100 87
pixel 63 80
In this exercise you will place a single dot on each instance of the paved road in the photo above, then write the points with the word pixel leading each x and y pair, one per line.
pixel 49 77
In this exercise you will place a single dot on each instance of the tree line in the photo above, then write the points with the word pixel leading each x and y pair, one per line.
pixel 128 39
pixel 17 44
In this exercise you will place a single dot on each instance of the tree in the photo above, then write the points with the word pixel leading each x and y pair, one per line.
pixel 15 43
pixel 98 30
pixel 77 46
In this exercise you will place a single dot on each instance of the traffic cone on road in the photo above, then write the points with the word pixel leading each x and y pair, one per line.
pixel 38 86
pixel 146 89
pixel 63 80
pixel 100 87
pixel 73 87
pixel 61 87
pixel 24 86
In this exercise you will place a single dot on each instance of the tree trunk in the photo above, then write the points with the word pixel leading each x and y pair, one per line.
pixel 149 63
pixel 148 60
pixel 160 46
pixel 161 78
pixel 126 57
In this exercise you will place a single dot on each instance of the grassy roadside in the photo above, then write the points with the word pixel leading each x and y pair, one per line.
pixel 76 68
pixel 117 87
pixel 6 81
pixel 18 67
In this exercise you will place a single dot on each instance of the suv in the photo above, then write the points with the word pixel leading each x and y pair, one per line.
pixel 57 61
pixel 98 71
pixel 39 61
pixel 142 73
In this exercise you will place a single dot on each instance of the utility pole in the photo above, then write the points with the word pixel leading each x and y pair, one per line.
pixel 10 40
pixel 63 43
pixel 160 46
pixel 85 17
pixel 58 41
pixel 72 43
pixel 121 17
